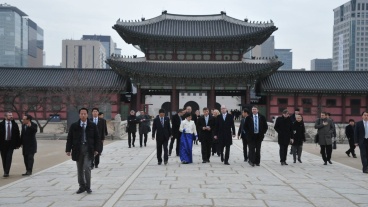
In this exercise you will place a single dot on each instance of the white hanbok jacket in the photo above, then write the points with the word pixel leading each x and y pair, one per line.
pixel 190 127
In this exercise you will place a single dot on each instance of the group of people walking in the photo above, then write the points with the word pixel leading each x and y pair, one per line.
pixel 12 138
pixel 215 131
pixel 144 121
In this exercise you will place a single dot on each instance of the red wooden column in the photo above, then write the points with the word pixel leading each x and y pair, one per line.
pixel 268 108
pixel 343 99
pixel 247 97
pixel 174 99
pixel 211 98
pixel 139 98
pixel 296 95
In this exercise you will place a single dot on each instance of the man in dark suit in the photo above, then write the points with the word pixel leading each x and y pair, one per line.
pixel 175 122
pixel 102 132
pixel 242 134
pixel 9 140
pixel 224 132
pixel 161 125
pixel 256 127
pixel 361 139
pixel 349 132
pixel 29 143
pixel 283 127
pixel 83 143
pixel 206 125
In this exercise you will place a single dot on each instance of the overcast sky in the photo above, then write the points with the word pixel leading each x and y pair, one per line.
pixel 305 26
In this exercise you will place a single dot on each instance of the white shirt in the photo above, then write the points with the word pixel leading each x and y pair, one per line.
pixel 81 124
pixel 190 127
pixel 95 120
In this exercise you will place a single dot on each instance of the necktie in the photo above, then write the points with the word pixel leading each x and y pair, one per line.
pixel 206 120
pixel 84 132
pixel 96 121
pixel 255 124
pixel 162 122
pixel 224 116
pixel 9 132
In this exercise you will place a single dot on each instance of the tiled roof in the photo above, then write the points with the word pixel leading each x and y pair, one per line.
pixel 181 69
pixel 316 82
pixel 195 27
pixel 59 78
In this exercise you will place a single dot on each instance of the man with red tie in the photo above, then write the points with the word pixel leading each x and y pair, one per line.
pixel 9 140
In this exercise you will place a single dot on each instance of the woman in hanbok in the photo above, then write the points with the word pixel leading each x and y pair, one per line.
pixel 189 133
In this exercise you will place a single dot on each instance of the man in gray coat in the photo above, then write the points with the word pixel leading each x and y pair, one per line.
pixel 325 129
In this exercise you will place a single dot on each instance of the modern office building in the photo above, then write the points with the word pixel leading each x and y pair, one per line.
pixel 83 54
pixel 350 36
pixel 106 41
pixel 285 56
pixel 266 49
pixel 21 39
pixel 321 64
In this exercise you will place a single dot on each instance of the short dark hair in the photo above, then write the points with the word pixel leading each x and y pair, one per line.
pixel 364 112
pixel 161 111
pixel 95 109
pixel 328 114
pixel 323 112
pixel 351 120
pixel 245 110
pixel 83 108
pixel 285 111
pixel 100 113
pixel 186 115
pixel 255 106
pixel 205 109
pixel 296 109
pixel 29 117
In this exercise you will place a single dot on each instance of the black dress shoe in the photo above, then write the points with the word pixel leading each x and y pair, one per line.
pixel 133 145
pixel 165 162
pixel 299 160
pixel 330 162
pixel 354 156
pixel 285 163
pixel 6 175
pixel 80 190
pixel 208 160
pixel 245 160
pixel 145 144
pixel 130 147
pixel 27 174
pixel 222 158
pixel 159 163
pixel 89 191
pixel 251 163
pixel 294 161
pixel 325 163
pixel 282 163
pixel 347 153
pixel 257 164
pixel 226 163
pixel 96 166
pixel 204 161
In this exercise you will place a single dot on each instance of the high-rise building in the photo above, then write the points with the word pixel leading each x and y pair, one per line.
pixel 285 56
pixel 83 54
pixel 266 49
pixel 106 41
pixel 350 36
pixel 321 64
pixel 22 39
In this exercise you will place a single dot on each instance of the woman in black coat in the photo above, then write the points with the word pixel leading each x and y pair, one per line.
pixel 298 137
pixel 132 127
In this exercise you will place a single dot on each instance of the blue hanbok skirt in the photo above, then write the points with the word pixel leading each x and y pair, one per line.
pixel 186 145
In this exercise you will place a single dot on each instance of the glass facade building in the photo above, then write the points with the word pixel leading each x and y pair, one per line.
pixel 350 36
pixel 20 46
pixel 285 56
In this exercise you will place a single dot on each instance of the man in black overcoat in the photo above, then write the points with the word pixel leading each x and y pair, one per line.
pixel 102 132
pixel 361 139
pixel 28 143
pixel 175 122
pixel 82 144
pixel 283 127
pixel 224 132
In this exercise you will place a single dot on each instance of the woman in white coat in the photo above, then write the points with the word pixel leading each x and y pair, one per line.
pixel 189 133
